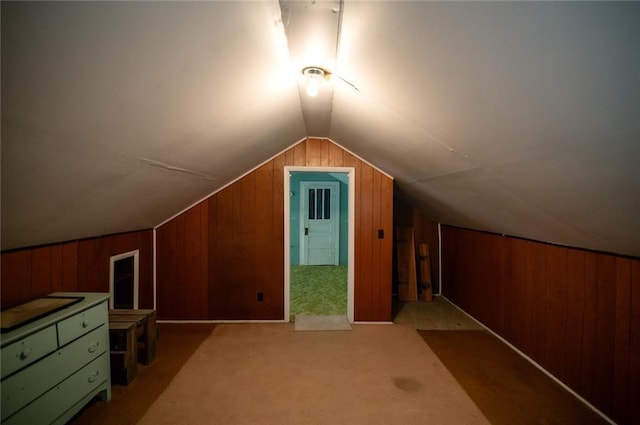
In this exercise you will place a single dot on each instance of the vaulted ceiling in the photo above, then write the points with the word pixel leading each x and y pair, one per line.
pixel 520 118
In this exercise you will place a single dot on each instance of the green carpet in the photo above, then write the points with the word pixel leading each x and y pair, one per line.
pixel 318 290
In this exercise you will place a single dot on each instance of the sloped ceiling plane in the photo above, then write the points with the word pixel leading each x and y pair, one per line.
pixel 521 118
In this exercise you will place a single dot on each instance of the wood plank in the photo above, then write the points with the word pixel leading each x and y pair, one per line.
pixel 386 260
pixel 376 246
pixel 56 268
pixel 276 306
pixel 247 236
pixel 70 267
pixel 264 241
pixel 203 260
pixel 634 344
pixel 222 292
pixel 145 244
pixel 179 296
pixel 556 301
pixel 41 271
pixel 605 333
pixel 335 155
pixel 166 261
pixel 300 154
pixel 365 287
pixel 621 399
pixel 314 152
pixel 537 287
pixel 16 278
pixel 575 318
pixel 588 330
pixel 212 256
pixel 324 153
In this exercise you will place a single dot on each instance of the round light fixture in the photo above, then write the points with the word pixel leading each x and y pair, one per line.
pixel 314 76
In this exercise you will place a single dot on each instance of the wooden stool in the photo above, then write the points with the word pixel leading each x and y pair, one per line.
pixel 122 340
pixel 146 329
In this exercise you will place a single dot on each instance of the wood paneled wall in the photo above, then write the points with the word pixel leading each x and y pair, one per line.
pixel 78 266
pixel 425 231
pixel 214 258
pixel 575 312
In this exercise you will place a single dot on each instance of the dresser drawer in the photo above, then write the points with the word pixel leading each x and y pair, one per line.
pixel 65 395
pixel 28 350
pixel 73 327
pixel 19 389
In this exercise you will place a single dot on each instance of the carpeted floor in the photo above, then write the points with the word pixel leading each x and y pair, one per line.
pixel 176 343
pixel 268 374
pixel 438 314
pixel 506 387
pixel 318 290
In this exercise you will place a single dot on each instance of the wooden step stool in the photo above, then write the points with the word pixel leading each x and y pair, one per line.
pixel 126 328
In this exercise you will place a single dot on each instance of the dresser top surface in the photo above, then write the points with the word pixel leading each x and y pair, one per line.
pixel 89 300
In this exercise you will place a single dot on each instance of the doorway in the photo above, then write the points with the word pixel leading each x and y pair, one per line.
pixel 123 281
pixel 294 227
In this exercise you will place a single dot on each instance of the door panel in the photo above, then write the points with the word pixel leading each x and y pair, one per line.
pixel 320 210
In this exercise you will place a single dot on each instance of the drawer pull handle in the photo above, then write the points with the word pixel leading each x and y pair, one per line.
pixel 93 377
pixel 25 353
pixel 85 323
pixel 93 347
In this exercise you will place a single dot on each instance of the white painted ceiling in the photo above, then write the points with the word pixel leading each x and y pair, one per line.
pixel 520 118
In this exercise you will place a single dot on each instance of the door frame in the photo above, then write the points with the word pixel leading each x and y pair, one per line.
pixel 335 213
pixel 136 271
pixel 351 174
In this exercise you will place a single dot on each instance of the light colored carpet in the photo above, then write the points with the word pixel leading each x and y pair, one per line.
pixel 322 323
pixel 439 314
pixel 268 374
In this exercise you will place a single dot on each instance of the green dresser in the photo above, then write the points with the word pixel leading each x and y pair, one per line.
pixel 53 366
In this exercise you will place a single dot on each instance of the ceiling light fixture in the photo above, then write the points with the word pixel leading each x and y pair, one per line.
pixel 314 76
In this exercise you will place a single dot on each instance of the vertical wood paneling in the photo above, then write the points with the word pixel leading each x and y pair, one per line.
pixel 588 330
pixel 621 370
pixel 324 153
pixel 556 313
pixel 56 268
pixel 634 345
pixel 605 312
pixel 537 288
pixel 144 243
pixel 73 266
pixel 245 242
pixel 221 296
pixel 246 246
pixel 574 312
pixel 363 293
pixel 276 306
pixel 70 267
pixel 191 273
pixel 16 278
pixel 264 240
pixel 166 262
pixel 300 154
pixel 575 318
pixel 314 152
pixel 41 271
pixel 376 246
pixel 183 278
pixel 386 259
pixel 335 155
pixel 520 314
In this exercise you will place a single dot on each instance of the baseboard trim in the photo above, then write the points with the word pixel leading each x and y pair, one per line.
pixel 218 321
